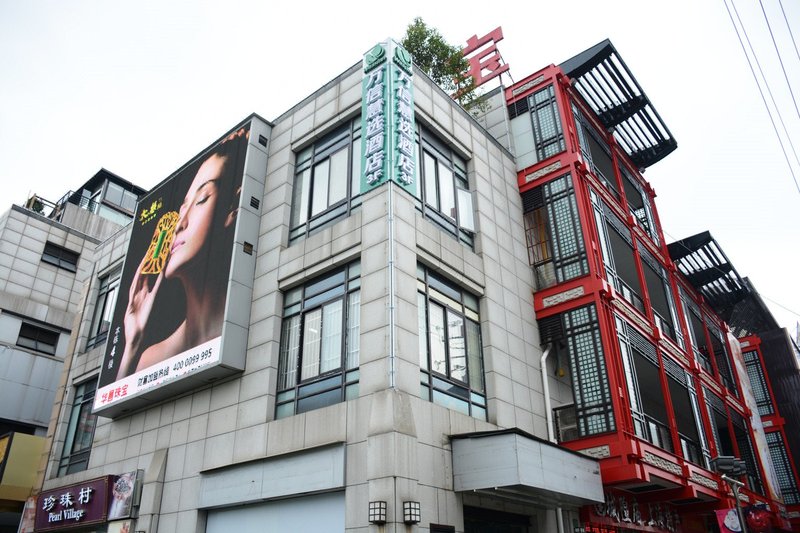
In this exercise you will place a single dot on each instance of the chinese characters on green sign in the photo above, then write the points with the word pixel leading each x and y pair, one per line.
pixel 387 118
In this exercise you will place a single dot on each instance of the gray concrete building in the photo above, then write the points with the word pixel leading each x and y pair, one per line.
pixel 46 255
pixel 377 366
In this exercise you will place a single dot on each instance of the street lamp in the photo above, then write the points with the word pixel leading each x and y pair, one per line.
pixel 728 465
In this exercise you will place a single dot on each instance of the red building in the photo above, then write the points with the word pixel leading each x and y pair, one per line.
pixel 643 367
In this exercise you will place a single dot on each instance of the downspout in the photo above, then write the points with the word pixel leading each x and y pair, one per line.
pixel 392 296
pixel 548 414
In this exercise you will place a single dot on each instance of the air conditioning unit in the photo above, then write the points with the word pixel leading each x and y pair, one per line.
pixel 566 424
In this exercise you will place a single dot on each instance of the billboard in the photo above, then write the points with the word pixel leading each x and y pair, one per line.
pixel 171 317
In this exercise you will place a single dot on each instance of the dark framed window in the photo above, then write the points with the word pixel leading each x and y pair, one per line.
pixel 697 332
pixel 718 416
pixel 616 244
pixel 747 451
pixel 556 250
pixel 443 193
pixel 319 354
pixel 643 376
pixel 80 430
pixel 722 356
pixel 38 338
pixel 548 135
pixel 660 291
pixel 639 204
pixel 60 257
pixel 450 349
pixel 327 181
pixel 104 307
pixel 694 446
pixel 758 382
pixel 579 331
pixel 596 152
pixel 783 468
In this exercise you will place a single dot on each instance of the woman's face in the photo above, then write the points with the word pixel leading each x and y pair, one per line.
pixel 196 215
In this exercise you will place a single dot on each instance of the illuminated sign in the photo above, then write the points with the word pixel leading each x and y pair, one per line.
pixel 485 61
pixel 171 319
pixel 387 118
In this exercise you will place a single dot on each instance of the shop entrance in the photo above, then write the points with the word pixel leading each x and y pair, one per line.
pixel 477 520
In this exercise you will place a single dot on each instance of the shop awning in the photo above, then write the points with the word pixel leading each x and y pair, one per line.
pixel 516 465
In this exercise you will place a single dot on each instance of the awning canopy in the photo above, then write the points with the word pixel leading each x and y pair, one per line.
pixel 513 464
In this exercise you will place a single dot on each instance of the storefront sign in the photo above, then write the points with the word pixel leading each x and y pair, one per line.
pixel 623 511
pixel 75 505
pixel 387 118
pixel 90 502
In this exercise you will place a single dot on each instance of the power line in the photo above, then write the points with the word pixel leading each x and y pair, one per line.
pixel 761 92
pixel 780 59
pixel 790 29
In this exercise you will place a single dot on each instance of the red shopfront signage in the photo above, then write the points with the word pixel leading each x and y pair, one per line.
pixel 485 61
pixel 74 505
pixel 621 512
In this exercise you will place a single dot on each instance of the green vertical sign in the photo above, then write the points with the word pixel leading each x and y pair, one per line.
pixel 387 118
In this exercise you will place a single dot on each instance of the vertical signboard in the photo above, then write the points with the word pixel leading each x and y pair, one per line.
pixel 176 281
pixel 387 118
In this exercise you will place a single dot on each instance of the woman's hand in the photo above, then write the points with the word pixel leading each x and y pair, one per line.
pixel 141 297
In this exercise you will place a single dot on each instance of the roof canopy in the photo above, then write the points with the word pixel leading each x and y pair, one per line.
pixel 609 88
pixel 703 263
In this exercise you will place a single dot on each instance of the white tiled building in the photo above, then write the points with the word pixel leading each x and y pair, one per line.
pixel 431 402
pixel 46 255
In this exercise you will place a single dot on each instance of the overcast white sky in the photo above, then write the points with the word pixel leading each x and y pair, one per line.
pixel 140 87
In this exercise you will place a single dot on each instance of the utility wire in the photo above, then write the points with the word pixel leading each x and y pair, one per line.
pixel 790 29
pixel 766 84
pixel 780 59
pixel 761 92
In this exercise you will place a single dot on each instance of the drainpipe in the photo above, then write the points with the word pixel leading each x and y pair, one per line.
pixel 392 297
pixel 548 412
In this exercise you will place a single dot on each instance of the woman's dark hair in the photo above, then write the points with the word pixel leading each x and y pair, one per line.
pixel 217 254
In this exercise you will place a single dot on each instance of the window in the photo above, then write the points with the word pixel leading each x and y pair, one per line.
pixel 697 332
pixel 553 232
pixel 327 180
pixel 783 468
pixel 37 338
pixel 579 331
pixel 643 376
pixel 639 204
pixel 746 452
pixel 547 133
pixel 596 152
pixel 694 447
pixel 442 189
pixel 104 308
pixel 616 244
pixel 722 356
pixel 659 290
pixel 120 197
pixel 80 430
pixel 319 353
pixel 758 382
pixel 60 257
pixel 718 416
pixel 450 352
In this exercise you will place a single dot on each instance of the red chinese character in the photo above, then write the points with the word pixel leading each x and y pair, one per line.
pixel 486 59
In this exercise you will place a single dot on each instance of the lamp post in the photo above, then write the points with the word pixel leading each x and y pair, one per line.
pixel 734 485
pixel 732 466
